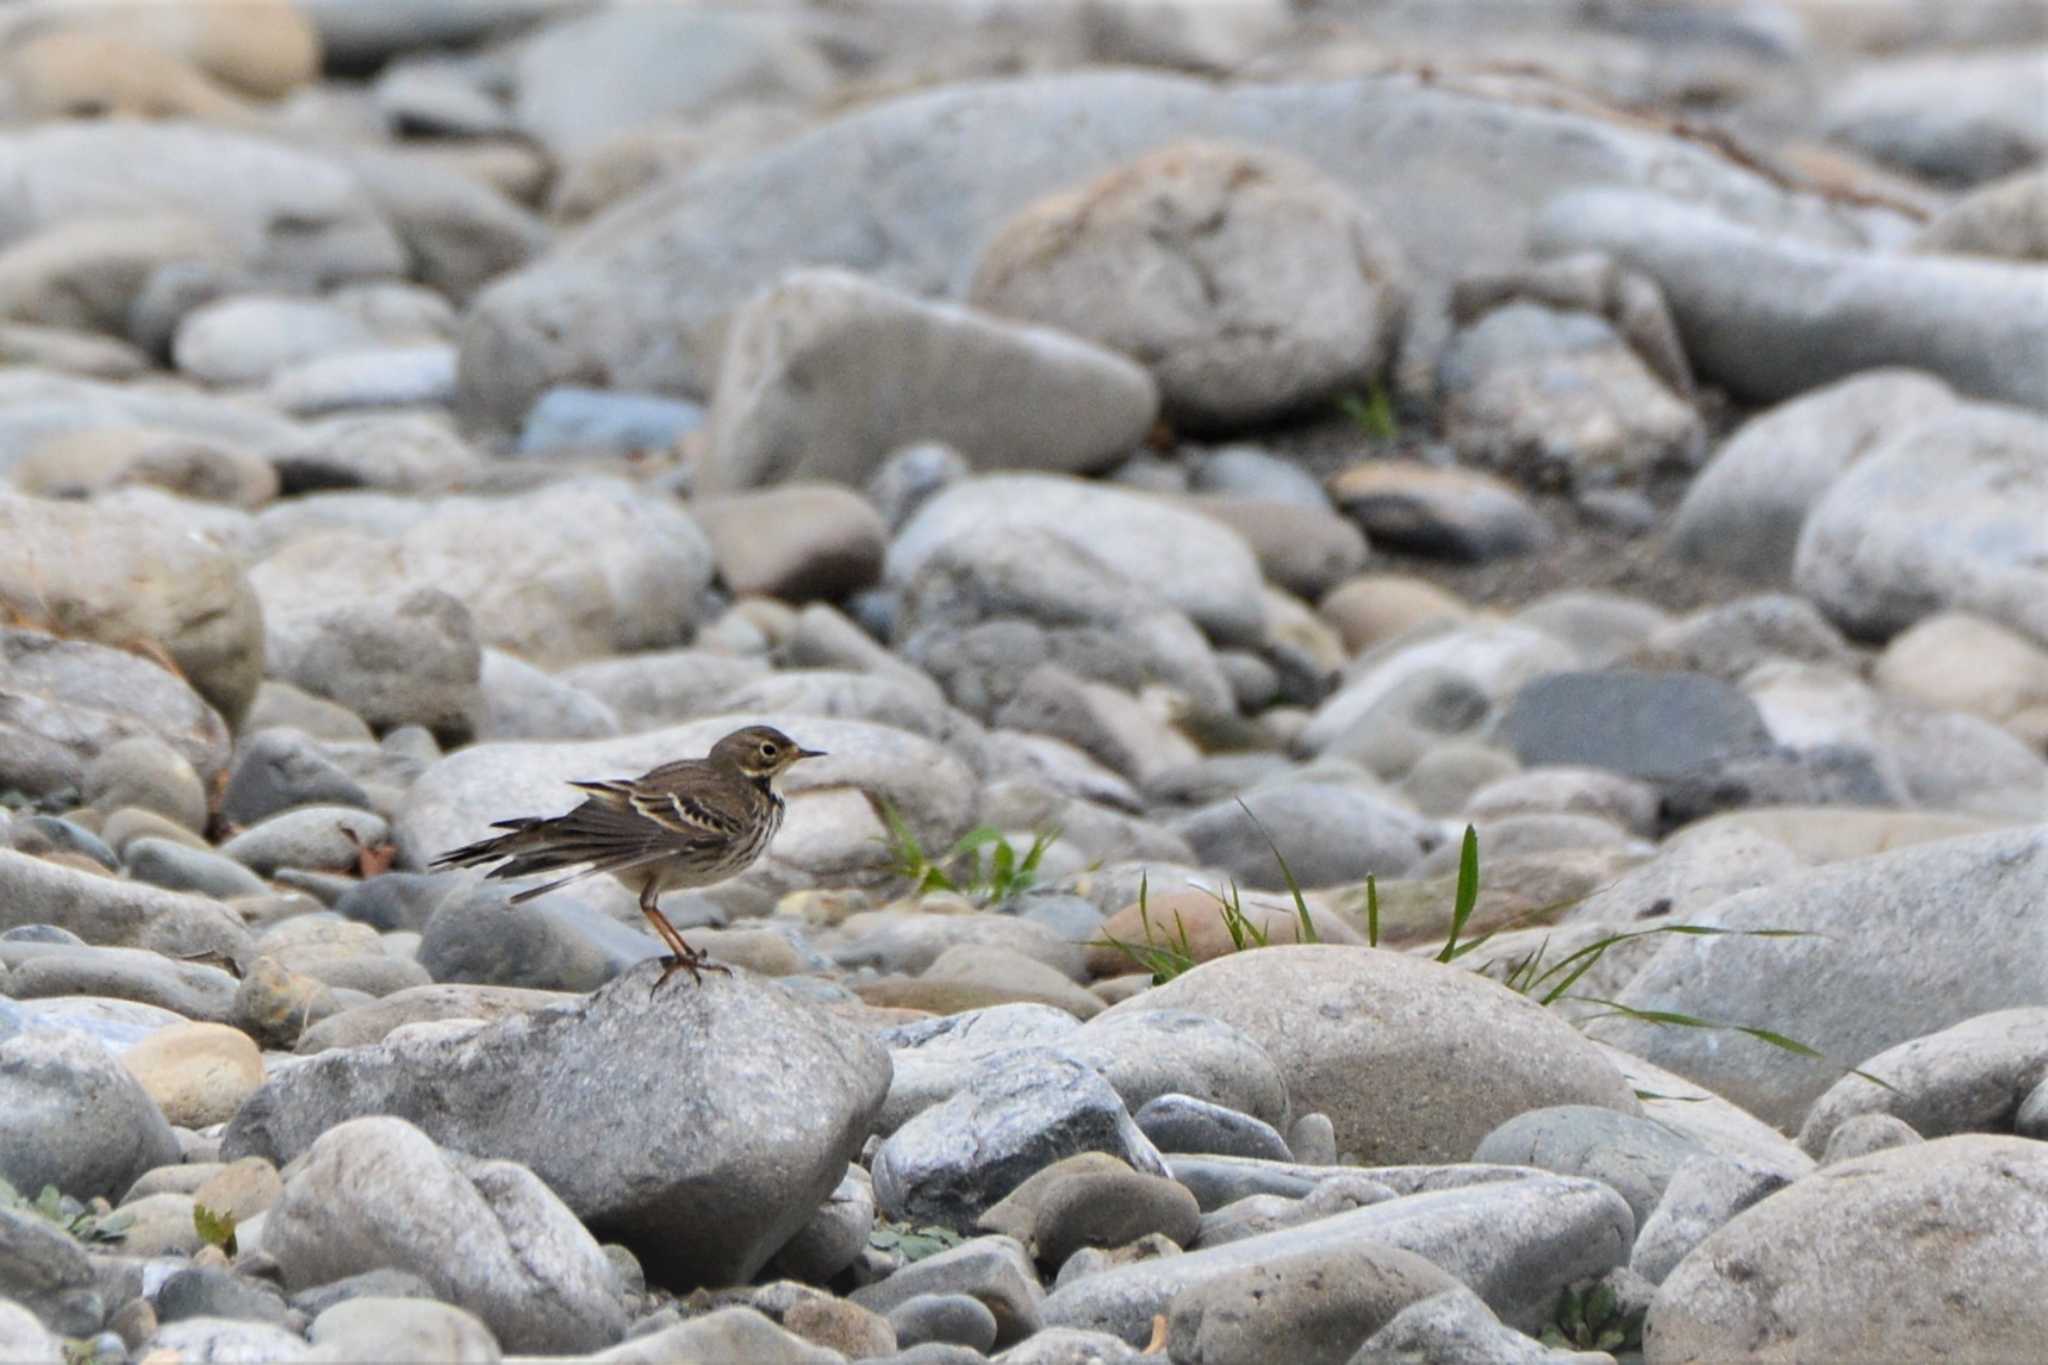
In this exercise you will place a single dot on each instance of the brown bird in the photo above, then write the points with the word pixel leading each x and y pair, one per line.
pixel 689 823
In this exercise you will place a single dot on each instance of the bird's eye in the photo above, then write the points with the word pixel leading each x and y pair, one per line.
pixel 768 750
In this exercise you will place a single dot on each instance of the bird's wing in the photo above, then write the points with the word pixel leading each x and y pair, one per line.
pixel 678 801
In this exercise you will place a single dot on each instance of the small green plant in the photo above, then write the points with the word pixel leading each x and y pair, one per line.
pixel 93 1224
pixel 913 1242
pixel 1373 411
pixel 982 863
pixel 1165 957
pixel 1589 1317
pixel 214 1229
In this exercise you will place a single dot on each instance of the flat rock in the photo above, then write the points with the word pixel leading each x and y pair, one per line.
pixel 761 1156
pixel 1968 1078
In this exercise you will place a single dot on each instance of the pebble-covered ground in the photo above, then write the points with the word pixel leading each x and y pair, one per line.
pixel 1140 441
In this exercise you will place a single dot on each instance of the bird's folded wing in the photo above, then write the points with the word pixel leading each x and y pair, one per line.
pixel 691 817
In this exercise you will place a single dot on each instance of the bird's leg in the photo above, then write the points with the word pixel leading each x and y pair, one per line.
pixel 682 957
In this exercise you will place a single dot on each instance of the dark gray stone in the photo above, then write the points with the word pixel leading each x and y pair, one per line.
pixel 1182 1123
pixel 396 900
pixel 994 1270
pixel 390 1283
pixel 479 936
pixel 210 1292
pixel 180 867
pixel 960 1319
pixel 72 1116
pixel 1636 1156
pixel 1654 726
pixel 46 1272
pixel 275 770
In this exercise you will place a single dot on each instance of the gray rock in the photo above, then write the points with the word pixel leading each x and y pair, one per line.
pixel 653 293
pixel 1948 514
pixel 1494 659
pixel 225 1339
pixel 958 1319
pixel 69 700
pixel 1729 641
pixel 994 1270
pixel 727 1334
pixel 398 452
pixel 1770 316
pixel 571 420
pixel 2032 1119
pixel 149 773
pixel 44 1271
pixel 1347 1025
pixel 212 1292
pixel 1313 1140
pixel 835 1236
pixel 244 338
pixel 1257 1214
pixel 176 867
pixel 1092 1199
pixel 1328 833
pixel 276 770
pixel 1956 118
pixel 909 477
pixel 1251 284
pixel 1867 1133
pixel 760 1157
pixel 1018 1112
pixel 1070 1346
pixel 24 1338
pixel 322 838
pixel 1323 1302
pixel 665 687
pixel 1458 1325
pixel 371 1021
pixel 1875 978
pixel 1182 1123
pixel 2005 219
pixel 75 1118
pixel 488 1235
pixel 1744 510
pixel 1450 512
pixel 459 230
pixel 932 1059
pixel 279 705
pixel 367 377
pixel 1956 1219
pixel 383 1285
pixel 192 989
pixel 105 910
pixel 524 702
pixel 396 900
pixel 772 420
pixel 408 658
pixel 401 1329
pixel 1198 566
pixel 1702 1194
pixel 1517 1243
pixel 1636 1156
pixel 1968 1078
pixel 1657 727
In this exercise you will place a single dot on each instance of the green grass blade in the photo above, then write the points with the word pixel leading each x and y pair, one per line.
pixel 1372 911
pixel 1467 895
pixel 1308 925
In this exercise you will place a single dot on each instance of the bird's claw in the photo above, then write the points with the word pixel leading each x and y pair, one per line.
pixel 696 964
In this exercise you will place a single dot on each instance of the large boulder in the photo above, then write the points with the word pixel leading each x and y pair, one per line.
pixel 134 583
pixel 1901 944
pixel 712 1154
pixel 1929 1250
pixel 73 1117
pixel 1354 1030
pixel 640 296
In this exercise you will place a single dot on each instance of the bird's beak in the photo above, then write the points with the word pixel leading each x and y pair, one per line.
pixel 810 753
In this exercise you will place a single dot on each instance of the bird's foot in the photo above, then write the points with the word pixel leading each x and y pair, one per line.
pixel 693 962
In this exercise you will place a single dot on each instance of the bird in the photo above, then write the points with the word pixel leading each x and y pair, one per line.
pixel 689 823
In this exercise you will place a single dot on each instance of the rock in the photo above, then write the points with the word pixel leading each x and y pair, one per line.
pixel 1770 316
pixel 754 1173
pixel 1656 727
pixel 1198 566
pixel 662 687
pixel 213 1339
pixel 1182 1123
pixel 2007 218
pixel 1729 642
pixel 841 1325
pixel 1197 918
pixel 1250 284
pixel 1704 1192
pixel 76 1119
pixel 101 909
pixel 1635 1156
pixel 281 770
pixel 1875 980
pixel 240 1189
pixel 994 1270
pixel 836 1235
pixel 1091 1199
pixel 459 231
pixel 523 702
pixel 652 296
pixel 1018 1112
pixel 1947 514
pixel 573 569
pixel 193 989
pixel 1458 1325
pixel 727 1334
pixel 1343 1024
pixel 1446 513
pixel 47 1274
pixel 212 1292
pixel 372 1328
pixel 1566 790
pixel 772 421
pixel 1560 399
pixel 829 830
pixel 933 1058
pixel 1012 974
pixel 1744 511
pixel 150 774
pixel 69 701
pixel 397 452
pixel 1866 1133
pixel 367 377
pixel 1968 1078
pixel 1516 1242
pixel 1304 549
pixel 794 542
pixel 1486 663
pixel 1954 118
pixel 1376 607
pixel 409 658
pixel 1806 1284
pixel 1958 662
pixel 323 838
pixel 1324 1303
pixel 1327 832
pixel 569 419
pixel 371 1284
pixel 24 1338
pixel 1693 870
pixel 279 705
pixel 198 1074
pixel 478 937
pixel 372 1022
pixel 525 1266
pixel 244 338
pixel 958 1319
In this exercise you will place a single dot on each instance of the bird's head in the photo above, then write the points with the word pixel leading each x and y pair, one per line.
pixel 760 751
